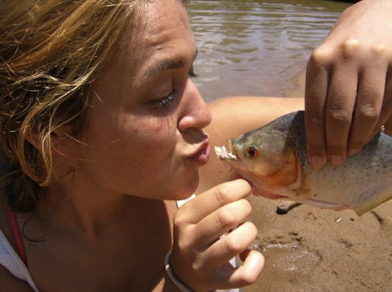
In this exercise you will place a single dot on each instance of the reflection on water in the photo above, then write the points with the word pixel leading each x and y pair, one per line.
pixel 254 47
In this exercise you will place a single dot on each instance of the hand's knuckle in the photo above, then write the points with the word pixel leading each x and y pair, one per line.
pixel 233 245
pixel 224 194
pixel 198 268
pixel 350 47
pixel 339 116
pixel 314 119
pixel 226 218
pixel 183 244
pixel 369 112
pixel 180 219
pixel 320 57
pixel 378 50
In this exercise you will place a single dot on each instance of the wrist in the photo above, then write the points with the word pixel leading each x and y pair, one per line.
pixel 173 277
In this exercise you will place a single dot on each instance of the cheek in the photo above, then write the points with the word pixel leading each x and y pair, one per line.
pixel 129 146
pixel 151 138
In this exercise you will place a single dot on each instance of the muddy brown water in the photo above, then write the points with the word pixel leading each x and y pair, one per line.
pixel 253 47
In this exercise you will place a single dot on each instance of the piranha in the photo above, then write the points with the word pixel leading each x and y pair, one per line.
pixel 273 158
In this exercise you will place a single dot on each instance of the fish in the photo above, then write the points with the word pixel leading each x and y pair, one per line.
pixel 274 160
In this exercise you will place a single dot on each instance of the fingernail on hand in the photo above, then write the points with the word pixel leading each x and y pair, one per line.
pixel 336 160
pixel 316 161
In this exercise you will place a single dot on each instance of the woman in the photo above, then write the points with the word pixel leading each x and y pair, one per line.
pixel 102 132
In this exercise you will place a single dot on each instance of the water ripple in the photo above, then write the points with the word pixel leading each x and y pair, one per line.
pixel 256 47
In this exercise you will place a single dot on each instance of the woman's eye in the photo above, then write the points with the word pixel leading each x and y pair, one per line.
pixel 166 101
pixel 192 75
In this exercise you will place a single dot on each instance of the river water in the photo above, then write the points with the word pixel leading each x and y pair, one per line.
pixel 254 47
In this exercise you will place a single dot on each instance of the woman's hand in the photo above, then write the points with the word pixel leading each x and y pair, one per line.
pixel 348 95
pixel 208 232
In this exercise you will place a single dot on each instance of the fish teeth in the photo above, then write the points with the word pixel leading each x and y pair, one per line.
pixel 223 153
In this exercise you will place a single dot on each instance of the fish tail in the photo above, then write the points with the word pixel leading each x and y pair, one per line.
pixel 385 196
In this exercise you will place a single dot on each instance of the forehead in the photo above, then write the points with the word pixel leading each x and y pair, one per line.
pixel 158 19
pixel 159 30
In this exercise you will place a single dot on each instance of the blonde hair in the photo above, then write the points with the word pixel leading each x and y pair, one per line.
pixel 50 52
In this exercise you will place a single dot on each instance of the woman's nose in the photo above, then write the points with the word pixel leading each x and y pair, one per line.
pixel 195 112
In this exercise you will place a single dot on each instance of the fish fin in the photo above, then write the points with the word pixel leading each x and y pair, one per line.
pixel 325 205
pixel 371 204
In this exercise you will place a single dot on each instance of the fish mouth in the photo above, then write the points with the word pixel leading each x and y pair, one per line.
pixel 225 155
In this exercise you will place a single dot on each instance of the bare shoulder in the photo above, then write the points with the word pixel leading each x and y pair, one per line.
pixel 233 116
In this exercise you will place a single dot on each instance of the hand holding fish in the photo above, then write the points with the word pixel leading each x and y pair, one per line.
pixel 348 95
pixel 208 232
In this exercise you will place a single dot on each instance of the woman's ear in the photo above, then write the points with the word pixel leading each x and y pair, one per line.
pixel 34 137
pixel 57 137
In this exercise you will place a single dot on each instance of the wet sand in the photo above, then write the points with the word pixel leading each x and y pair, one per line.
pixel 310 249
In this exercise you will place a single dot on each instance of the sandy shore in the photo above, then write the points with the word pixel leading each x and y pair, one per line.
pixel 310 249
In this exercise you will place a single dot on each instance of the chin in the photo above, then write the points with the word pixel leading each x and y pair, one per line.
pixel 187 189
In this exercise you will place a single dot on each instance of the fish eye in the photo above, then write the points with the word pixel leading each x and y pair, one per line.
pixel 252 151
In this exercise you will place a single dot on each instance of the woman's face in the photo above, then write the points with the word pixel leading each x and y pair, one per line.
pixel 144 134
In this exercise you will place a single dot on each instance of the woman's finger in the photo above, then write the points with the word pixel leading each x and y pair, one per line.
pixel 230 246
pixel 386 111
pixel 211 200
pixel 221 221
pixel 371 86
pixel 243 275
pixel 342 92
pixel 315 92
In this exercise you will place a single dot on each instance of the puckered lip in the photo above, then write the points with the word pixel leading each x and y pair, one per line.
pixel 202 152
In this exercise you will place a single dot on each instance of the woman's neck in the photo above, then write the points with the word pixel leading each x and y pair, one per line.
pixel 87 210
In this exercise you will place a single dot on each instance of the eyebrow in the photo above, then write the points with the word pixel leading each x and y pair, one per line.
pixel 166 64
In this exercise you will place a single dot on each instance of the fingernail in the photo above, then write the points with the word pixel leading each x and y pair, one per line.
pixel 352 151
pixel 336 160
pixel 316 161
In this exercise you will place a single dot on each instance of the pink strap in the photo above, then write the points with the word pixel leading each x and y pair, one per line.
pixel 17 235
